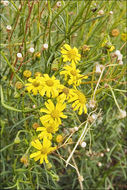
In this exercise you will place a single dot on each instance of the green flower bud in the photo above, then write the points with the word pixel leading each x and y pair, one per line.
pixel 17 140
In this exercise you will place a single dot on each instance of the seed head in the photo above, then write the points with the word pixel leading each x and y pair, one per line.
pixel 58 4
pixel 8 27
pixel 115 32
pixel 101 12
pixel 45 47
pixel 83 144
pixel 31 50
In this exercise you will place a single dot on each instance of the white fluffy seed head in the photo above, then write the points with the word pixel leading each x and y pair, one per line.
pixel 117 53
pixel 76 128
pixel 108 149
pixel 120 57
pixel 5 3
pixel 83 144
pixel 98 68
pixel 123 114
pixel 111 12
pixel 45 46
pixel 8 27
pixel 19 55
pixel 31 50
pixel 99 164
pixel 58 4
pixel 102 154
pixel 94 116
pixel 92 103
pixel 101 12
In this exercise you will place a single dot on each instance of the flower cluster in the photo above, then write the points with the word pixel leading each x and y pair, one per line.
pixel 56 97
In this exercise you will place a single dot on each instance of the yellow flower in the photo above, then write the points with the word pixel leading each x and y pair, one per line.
pixel 72 75
pixel 70 54
pixel 47 130
pixel 112 48
pixel 79 101
pixel 35 125
pixel 35 85
pixel 85 48
pixel 124 37
pixel 54 113
pixel 64 93
pixel 59 138
pixel 37 74
pixel 104 43
pixel 50 86
pixel 18 85
pixel 43 150
pixel 115 32
pixel 38 55
pixel 24 160
pixel 27 73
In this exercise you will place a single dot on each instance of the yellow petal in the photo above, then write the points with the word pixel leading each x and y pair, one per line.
pixel 35 154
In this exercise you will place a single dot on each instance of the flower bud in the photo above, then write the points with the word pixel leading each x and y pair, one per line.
pixel 58 4
pixel 31 50
pixel 27 73
pixel 24 160
pixel 98 69
pixel 111 12
pixel 35 125
pixel 37 74
pixel 108 149
pixel 59 138
pixel 17 140
pixel 92 103
pixel 19 56
pixel 102 154
pixel 76 128
pixel 45 47
pixel 16 95
pixel 101 12
pixel 122 114
pixel 18 85
pixel 5 3
pixel 99 164
pixel 8 28
pixel 115 32
pixel 83 144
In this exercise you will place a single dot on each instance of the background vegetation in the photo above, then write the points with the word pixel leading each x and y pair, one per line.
pixel 102 163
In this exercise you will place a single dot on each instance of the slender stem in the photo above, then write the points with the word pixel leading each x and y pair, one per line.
pixel 114 98
pixel 76 145
pixel 98 83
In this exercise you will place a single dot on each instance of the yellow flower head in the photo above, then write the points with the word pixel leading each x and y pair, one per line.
pixel 112 48
pixel 27 73
pixel 59 138
pixel 37 74
pixel 79 101
pixel 18 85
pixel 35 85
pixel 124 37
pixel 64 93
pixel 47 130
pixel 70 54
pixel 53 113
pixel 50 86
pixel 43 150
pixel 72 75
pixel 24 160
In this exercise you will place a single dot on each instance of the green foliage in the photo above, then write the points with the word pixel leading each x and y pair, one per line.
pixel 102 163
